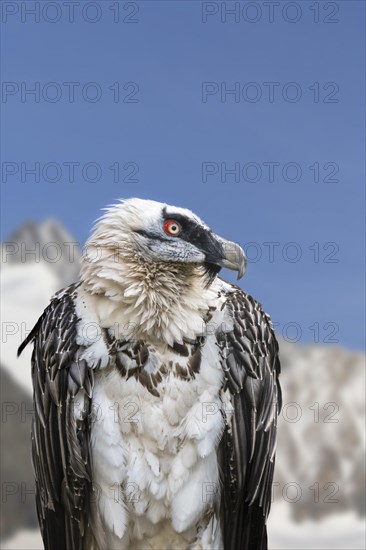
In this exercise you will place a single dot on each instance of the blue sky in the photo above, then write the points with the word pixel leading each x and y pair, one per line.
pixel 178 122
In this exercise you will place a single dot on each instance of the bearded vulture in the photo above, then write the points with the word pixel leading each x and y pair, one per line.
pixel 156 393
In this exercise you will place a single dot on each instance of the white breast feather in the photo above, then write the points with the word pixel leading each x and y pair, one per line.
pixel 154 458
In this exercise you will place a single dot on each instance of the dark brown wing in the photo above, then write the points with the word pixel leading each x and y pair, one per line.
pixel 247 450
pixel 60 443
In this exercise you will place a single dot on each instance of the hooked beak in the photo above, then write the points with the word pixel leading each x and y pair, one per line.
pixel 227 254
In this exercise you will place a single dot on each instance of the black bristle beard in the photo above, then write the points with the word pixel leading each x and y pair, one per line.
pixel 209 273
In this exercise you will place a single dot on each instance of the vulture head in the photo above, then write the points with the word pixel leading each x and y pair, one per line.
pixel 156 233
pixel 158 263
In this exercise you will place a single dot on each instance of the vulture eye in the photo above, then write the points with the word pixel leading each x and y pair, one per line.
pixel 172 228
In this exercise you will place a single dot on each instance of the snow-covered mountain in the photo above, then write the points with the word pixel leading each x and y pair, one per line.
pixel 319 479
pixel 37 260
pixel 48 243
pixel 28 280
pixel 322 429
pixel 319 482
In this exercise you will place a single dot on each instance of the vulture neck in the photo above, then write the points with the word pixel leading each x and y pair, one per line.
pixel 161 302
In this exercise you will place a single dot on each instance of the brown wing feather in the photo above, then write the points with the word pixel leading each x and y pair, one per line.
pixel 60 443
pixel 246 455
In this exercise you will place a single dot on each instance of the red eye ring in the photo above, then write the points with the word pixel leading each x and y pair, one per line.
pixel 172 228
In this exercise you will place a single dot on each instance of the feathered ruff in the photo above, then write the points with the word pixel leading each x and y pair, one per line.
pixel 144 299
